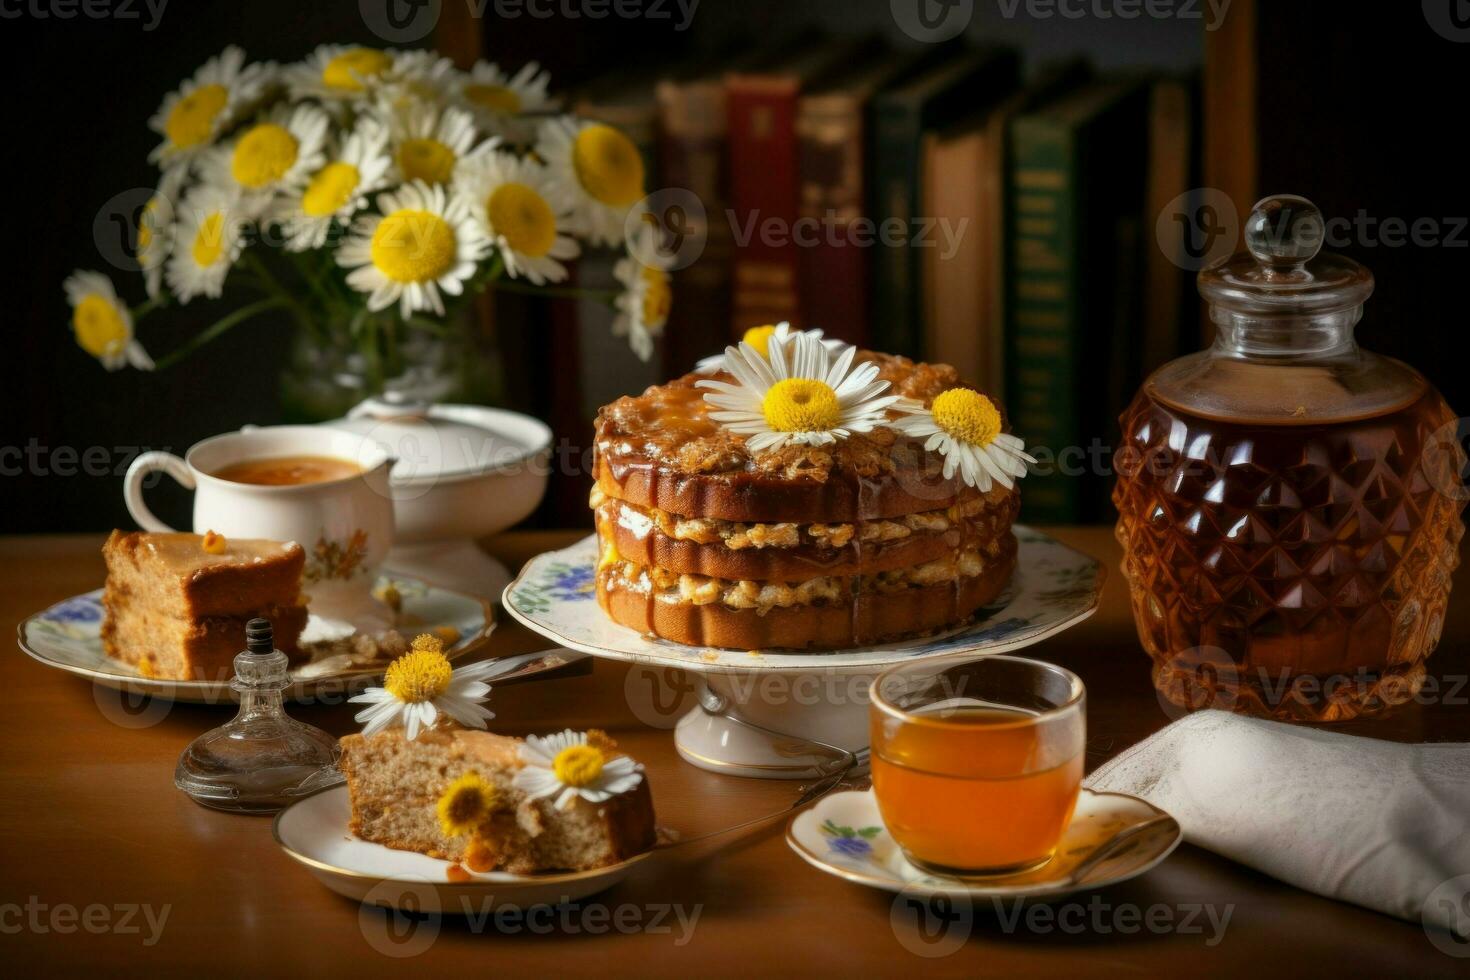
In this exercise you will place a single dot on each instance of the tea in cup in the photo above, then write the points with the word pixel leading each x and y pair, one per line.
pixel 977 761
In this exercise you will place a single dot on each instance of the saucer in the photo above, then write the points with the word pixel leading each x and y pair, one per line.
pixel 843 835
pixel 313 831
pixel 68 636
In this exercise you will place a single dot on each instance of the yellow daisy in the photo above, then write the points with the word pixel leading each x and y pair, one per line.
pixel 420 685
pixel 423 243
pixel 341 75
pixel 194 115
pixel 520 210
pixel 156 229
pixel 277 152
pixel 643 306
pixel 965 427
pixel 571 764
pixel 336 191
pixel 464 804
pixel 600 168
pixel 760 338
pixel 501 102
pixel 427 141
pixel 102 324
pixel 208 238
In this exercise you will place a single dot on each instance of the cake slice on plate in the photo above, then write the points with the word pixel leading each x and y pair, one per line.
pixel 177 604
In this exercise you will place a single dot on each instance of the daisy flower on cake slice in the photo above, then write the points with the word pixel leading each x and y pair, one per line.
pixel 193 115
pixel 798 394
pixel 103 325
pixel 965 427
pixel 572 764
pixel 521 211
pixel 421 685
pixel 759 338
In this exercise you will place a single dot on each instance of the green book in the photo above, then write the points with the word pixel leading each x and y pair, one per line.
pixel 1075 233
pixel 955 87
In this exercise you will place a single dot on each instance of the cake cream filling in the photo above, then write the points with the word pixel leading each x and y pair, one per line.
pixel 701 590
pixel 738 535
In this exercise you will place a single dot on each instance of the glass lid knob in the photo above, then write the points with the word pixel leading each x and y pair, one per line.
pixel 1284 232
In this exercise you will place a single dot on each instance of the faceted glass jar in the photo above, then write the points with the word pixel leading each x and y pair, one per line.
pixel 1289 505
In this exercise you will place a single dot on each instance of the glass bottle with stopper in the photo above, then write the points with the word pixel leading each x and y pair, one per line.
pixel 263 760
pixel 1289 504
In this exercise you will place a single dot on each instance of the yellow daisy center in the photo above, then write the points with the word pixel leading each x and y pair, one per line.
pixel 145 224
pixel 496 98
pixel 760 338
pixel 523 218
pixel 413 246
pixel 465 804
pixel 191 120
pixel 209 240
pixel 330 189
pixel 801 405
pixel 263 155
pixel 608 165
pixel 99 326
pixel 967 416
pixel 426 159
pixel 578 765
pixel 348 69
pixel 419 675
pixel 658 297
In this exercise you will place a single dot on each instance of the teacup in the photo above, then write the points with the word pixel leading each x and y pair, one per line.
pixel 345 524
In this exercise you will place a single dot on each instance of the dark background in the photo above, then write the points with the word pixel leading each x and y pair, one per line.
pixel 1362 107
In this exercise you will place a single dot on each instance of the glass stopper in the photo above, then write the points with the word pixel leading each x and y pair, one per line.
pixel 1284 232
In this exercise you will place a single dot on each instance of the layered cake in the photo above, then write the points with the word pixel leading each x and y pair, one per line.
pixel 800 495
pixel 176 605
pixel 477 798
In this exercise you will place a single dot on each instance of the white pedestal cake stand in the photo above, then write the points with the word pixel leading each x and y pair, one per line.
pixel 819 697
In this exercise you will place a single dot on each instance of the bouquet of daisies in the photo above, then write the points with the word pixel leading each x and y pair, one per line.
pixel 375 188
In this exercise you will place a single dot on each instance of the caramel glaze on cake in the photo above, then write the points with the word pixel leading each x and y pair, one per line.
pixel 827 547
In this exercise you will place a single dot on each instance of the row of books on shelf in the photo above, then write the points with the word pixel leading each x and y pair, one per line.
pixel 937 203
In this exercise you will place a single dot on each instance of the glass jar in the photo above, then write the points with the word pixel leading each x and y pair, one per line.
pixel 1289 504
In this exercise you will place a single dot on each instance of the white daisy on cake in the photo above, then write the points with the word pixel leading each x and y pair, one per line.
pixel 427 141
pixel 195 113
pixel 500 102
pixel 102 324
pixel 156 229
pixel 420 685
pixel 600 168
pixel 798 394
pixel 647 296
pixel 964 426
pixel 423 244
pixel 208 238
pixel 521 211
pixel 571 764
pixel 336 191
pixel 279 151
pixel 759 337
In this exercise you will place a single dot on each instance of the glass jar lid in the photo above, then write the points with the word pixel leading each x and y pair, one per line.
pixel 1281 273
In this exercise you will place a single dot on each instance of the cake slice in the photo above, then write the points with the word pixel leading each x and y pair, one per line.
pixel 403 796
pixel 176 605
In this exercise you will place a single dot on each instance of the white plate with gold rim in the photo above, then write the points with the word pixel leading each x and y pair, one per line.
pixel 314 832
pixel 68 636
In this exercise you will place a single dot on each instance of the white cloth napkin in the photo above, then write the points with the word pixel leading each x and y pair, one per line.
pixel 1380 824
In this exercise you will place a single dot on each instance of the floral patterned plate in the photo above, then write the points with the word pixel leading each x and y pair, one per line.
pixel 1054 587
pixel 843 835
pixel 68 637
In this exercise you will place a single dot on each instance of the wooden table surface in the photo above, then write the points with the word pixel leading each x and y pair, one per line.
pixel 107 867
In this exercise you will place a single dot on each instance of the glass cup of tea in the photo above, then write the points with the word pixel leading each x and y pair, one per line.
pixel 977 760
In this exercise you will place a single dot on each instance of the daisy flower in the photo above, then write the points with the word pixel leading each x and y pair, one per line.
pixel 643 306
pixel 421 684
pixel 208 238
pixel 192 116
pixel 102 324
pixel 572 764
pixel 339 75
pixel 500 101
pixel 428 140
pixel 422 244
pixel 759 338
pixel 465 804
pixel 964 426
pixel 798 394
pixel 279 151
pixel 601 169
pixel 156 229
pixel 338 190
pixel 520 210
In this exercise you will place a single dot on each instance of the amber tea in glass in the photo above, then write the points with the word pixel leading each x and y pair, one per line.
pixel 977 761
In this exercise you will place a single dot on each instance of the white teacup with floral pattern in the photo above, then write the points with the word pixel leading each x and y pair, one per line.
pixel 345 525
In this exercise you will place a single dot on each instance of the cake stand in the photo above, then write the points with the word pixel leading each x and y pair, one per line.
pixel 814 697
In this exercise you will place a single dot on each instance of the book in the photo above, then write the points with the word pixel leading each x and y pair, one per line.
pixel 958 85
pixel 1170 303
pixel 833 136
pixel 1076 188
pixel 761 103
